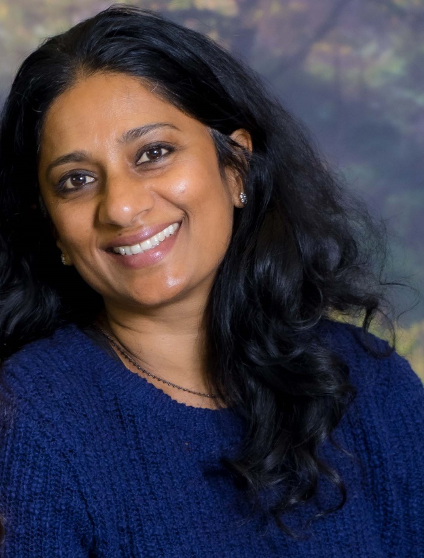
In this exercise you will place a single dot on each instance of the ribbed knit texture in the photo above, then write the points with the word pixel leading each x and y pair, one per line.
pixel 96 461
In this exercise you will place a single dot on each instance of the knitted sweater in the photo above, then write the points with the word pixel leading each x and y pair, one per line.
pixel 96 461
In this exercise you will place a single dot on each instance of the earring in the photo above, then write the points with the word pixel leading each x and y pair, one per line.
pixel 63 258
pixel 243 198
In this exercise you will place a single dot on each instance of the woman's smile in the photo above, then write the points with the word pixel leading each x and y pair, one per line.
pixel 136 255
pixel 139 202
pixel 146 240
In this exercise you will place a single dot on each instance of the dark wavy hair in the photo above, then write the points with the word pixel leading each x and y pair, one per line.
pixel 300 249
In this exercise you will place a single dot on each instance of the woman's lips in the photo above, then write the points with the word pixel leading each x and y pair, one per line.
pixel 137 238
pixel 149 256
pixel 149 243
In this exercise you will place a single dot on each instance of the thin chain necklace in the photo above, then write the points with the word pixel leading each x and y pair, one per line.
pixel 134 363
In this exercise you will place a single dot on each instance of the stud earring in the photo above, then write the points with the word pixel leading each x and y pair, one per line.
pixel 243 198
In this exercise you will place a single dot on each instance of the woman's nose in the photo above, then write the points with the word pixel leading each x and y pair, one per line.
pixel 123 200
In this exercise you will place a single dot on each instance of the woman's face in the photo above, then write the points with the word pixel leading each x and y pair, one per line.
pixel 119 166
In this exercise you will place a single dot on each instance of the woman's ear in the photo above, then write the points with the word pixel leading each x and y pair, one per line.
pixel 244 140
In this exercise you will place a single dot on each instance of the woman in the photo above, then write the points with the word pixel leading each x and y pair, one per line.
pixel 171 252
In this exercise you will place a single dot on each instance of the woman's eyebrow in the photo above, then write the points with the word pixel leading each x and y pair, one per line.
pixel 74 157
pixel 127 137
pixel 136 133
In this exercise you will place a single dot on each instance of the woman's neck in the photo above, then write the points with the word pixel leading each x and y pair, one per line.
pixel 167 342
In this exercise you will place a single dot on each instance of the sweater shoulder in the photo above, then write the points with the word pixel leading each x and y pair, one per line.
pixel 384 431
pixel 375 368
pixel 52 371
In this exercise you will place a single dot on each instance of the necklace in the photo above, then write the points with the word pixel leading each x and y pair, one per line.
pixel 144 371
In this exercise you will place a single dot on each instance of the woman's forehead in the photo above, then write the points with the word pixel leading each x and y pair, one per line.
pixel 102 95
pixel 106 107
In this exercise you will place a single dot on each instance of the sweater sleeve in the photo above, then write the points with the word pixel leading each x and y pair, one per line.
pixel 42 507
pixel 404 416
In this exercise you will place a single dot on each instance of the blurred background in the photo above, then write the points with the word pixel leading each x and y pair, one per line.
pixel 351 70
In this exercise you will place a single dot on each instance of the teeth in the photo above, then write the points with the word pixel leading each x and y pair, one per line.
pixel 146 245
pixel 136 249
pixel 149 243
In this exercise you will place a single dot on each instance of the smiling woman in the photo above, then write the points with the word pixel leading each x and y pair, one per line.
pixel 135 194
pixel 171 251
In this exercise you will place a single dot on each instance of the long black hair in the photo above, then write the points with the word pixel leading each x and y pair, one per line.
pixel 300 248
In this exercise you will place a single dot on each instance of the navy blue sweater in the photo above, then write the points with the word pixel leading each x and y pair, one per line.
pixel 96 461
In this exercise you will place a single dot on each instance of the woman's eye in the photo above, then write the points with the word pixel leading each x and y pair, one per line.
pixel 152 154
pixel 76 181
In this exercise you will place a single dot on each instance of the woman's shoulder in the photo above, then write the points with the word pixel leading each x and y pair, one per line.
pixel 375 368
pixel 63 347
pixel 383 429
pixel 50 370
pixel 386 386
